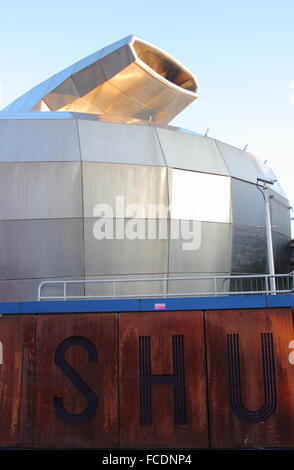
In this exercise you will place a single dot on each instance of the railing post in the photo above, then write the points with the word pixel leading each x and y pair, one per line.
pixel 64 290
pixel 266 284
pixel 113 289
pixel 39 291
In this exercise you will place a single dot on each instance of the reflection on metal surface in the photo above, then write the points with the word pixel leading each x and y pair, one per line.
pixel 199 196
pixel 96 132
pixel 214 254
pixel 32 196
pixel 128 79
pixel 122 256
pixel 38 140
pixel 119 143
pixel 191 152
pixel 41 248
pixel 247 204
pixel 137 184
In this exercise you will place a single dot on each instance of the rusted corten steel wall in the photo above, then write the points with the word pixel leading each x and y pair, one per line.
pixel 191 379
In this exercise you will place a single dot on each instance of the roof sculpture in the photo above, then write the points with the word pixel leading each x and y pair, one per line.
pixel 130 79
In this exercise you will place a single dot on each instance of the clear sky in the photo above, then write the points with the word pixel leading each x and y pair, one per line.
pixel 241 51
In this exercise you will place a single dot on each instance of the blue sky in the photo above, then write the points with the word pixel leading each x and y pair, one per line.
pixel 240 51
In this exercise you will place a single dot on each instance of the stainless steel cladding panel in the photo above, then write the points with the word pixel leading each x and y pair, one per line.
pixel 38 140
pixel 199 196
pixel 248 250
pixel 212 255
pixel 112 91
pixel 247 204
pixel 123 256
pixel 59 97
pixel 41 248
pixel 119 143
pixel 280 211
pixel 191 152
pixel 281 255
pixel 40 190
pixel 141 185
pixel 242 165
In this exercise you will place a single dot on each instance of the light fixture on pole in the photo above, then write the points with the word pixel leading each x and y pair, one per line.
pixel 268 229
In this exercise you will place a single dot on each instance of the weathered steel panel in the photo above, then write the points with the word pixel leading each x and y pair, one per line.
pixel 251 380
pixel 162 380
pixel 17 356
pixel 76 381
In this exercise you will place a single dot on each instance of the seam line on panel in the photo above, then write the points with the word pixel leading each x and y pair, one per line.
pixel 221 154
pixel 168 203
pixel 82 202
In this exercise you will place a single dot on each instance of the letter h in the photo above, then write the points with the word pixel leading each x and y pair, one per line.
pixel 177 380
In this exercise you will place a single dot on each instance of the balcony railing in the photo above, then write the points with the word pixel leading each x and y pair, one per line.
pixel 157 287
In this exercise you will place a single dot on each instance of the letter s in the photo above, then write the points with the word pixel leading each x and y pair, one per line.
pixel 91 397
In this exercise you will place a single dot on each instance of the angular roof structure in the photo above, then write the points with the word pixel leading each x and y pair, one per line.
pixel 130 79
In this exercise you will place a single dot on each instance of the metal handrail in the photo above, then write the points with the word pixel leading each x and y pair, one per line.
pixel 214 291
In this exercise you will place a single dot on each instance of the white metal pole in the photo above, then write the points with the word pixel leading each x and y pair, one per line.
pixel 269 239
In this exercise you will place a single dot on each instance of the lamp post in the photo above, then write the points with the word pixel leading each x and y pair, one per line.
pixel 268 230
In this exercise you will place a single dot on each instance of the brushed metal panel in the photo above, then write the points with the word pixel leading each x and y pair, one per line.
pixel 280 215
pixel 247 204
pixel 103 99
pixel 61 95
pixel 127 288
pixel 119 143
pixel 41 106
pixel 40 190
pixel 60 77
pixel 120 58
pixel 281 246
pixel 242 165
pixel 177 84
pixel 134 88
pixel 129 107
pixel 41 248
pixel 212 256
pixel 35 95
pixel 105 257
pixel 142 185
pixel 199 196
pixel 191 152
pixel 88 78
pixel 248 250
pixel 33 140
pixel 22 290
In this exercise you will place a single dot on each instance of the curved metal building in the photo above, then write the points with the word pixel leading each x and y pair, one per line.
pixel 98 130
